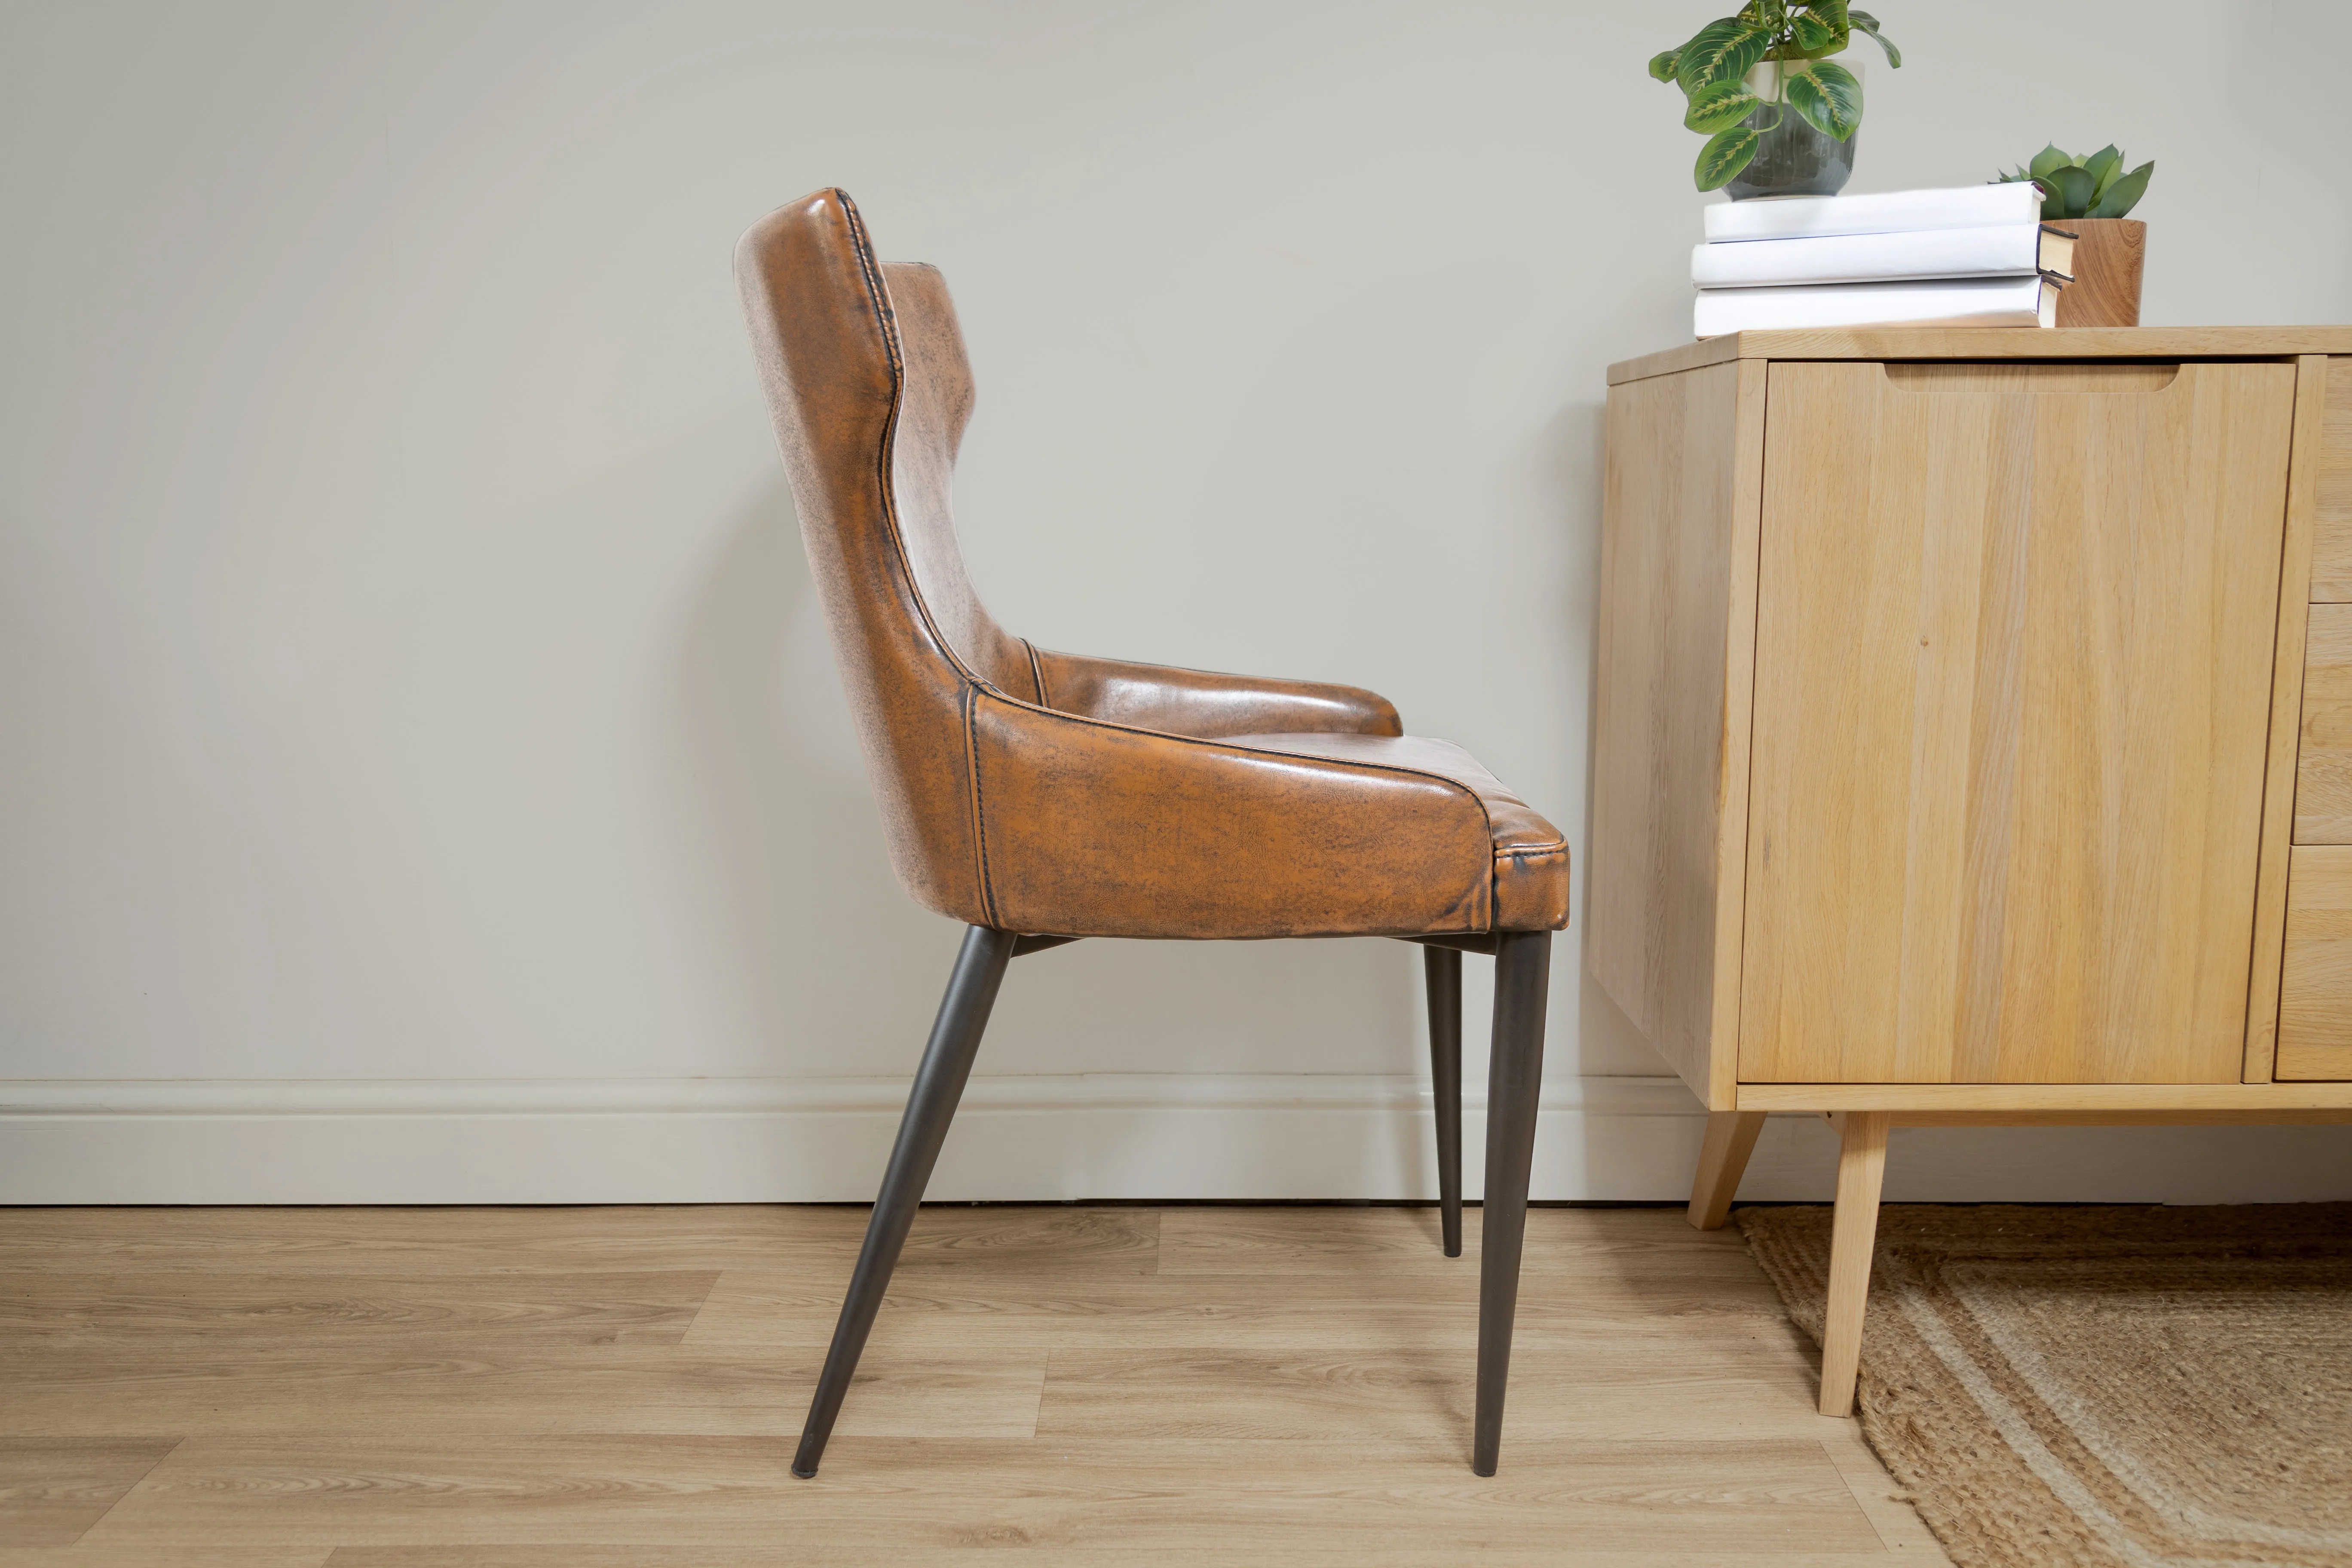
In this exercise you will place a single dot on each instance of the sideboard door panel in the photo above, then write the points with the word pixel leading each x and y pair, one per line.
pixel 2315 1038
pixel 2013 686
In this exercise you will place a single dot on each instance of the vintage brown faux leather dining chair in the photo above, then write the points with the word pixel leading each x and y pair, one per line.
pixel 1043 797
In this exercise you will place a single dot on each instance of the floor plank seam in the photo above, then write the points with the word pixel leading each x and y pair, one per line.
pixel 177 1443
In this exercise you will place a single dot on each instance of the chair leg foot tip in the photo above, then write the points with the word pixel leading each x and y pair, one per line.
pixel 1454 1250
pixel 1486 1469
pixel 807 1475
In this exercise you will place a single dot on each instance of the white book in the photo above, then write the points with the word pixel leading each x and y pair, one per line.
pixel 1968 302
pixel 2009 250
pixel 1790 217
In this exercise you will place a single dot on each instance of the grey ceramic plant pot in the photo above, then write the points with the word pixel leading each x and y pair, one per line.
pixel 1793 159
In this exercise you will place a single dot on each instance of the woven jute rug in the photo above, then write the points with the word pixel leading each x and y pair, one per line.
pixel 2107 1386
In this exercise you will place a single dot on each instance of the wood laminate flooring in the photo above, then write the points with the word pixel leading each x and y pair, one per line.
pixel 622 1387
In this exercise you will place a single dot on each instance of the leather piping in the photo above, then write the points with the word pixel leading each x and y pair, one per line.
pixel 978 811
pixel 1036 672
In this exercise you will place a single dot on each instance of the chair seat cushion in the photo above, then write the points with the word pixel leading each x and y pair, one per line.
pixel 1531 868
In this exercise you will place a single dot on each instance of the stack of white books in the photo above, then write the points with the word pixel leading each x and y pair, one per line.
pixel 1979 256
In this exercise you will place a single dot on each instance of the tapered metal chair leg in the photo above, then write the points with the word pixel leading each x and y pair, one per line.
pixel 1441 968
pixel 1514 1077
pixel 938 1085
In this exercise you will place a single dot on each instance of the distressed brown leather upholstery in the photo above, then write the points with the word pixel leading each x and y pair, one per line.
pixel 1031 790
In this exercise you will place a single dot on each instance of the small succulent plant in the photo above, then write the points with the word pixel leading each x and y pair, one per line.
pixel 2093 186
pixel 1711 71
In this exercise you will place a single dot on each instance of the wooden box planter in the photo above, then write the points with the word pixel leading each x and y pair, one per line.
pixel 2108 255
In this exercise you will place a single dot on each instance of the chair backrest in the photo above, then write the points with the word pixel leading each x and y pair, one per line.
pixel 865 371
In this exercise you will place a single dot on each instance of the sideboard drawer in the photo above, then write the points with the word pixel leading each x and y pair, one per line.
pixel 2331 553
pixel 2315 1036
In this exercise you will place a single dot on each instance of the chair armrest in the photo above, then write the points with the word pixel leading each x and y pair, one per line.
pixel 1087 828
pixel 1202 704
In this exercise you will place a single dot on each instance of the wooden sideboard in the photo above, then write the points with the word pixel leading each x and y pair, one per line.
pixel 1973 740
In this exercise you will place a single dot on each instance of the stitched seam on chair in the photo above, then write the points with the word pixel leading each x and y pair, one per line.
pixel 1532 849
pixel 877 295
pixel 887 320
pixel 979 805
pixel 1036 671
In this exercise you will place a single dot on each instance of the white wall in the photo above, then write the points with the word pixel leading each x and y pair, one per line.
pixel 423 771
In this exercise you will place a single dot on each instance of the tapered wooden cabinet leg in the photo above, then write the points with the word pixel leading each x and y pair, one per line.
pixel 1513 1079
pixel 1730 1138
pixel 1442 967
pixel 1862 1171
pixel 930 1105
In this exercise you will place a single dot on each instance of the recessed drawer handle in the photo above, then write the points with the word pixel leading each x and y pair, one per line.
pixel 2043 378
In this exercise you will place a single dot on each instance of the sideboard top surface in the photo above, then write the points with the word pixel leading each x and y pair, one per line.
pixel 1992 342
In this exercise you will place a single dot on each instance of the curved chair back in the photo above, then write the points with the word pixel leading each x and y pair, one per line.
pixel 865 375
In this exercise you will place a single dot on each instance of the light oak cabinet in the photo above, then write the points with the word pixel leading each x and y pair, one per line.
pixel 1955 689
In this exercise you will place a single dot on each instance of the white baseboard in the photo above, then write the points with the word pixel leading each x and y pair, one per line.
pixel 1042 1138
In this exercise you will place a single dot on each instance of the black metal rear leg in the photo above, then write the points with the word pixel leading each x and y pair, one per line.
pixel 1441 968
pixel 938 1085
pixel 1515 1074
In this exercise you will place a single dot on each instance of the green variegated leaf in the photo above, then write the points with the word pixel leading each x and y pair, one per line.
pixel 1835 13
pixel 1828 95
pixel 2125 194
pixel 2049 158
pixel 2105 164
pixel 1723 51
pixel 1721 105
pixel 2074 187
pixel 1863 22
pixel 1728 152
pixel 1662 65
pixel 1814 36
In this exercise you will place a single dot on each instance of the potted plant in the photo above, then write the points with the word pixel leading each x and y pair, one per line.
pixel 2090 197
pixel 1743 74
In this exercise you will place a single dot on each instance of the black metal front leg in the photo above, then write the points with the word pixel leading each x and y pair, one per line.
pixel 938 1085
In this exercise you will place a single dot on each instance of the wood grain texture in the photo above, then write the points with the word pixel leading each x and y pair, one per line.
pixel 583 1240
pixel 1862 1174
pixel 2331 571
pixel 163 1556
pixel 897 1555
pixel 1408 1398
pixel 1322 1418
pixel 2110 254
pixel 1680 507
pixel 2014 653
pixel 2316 995
pixel 469 1389
pixel 61 1309
pixel 2188 1100
pixel 2323 772
pixel 1388 1244
pixel 1704 1494
pixel 787 1310
pixel 1722 1159
pixel 1990 344
pixel 53 1489
pixel 2288 676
